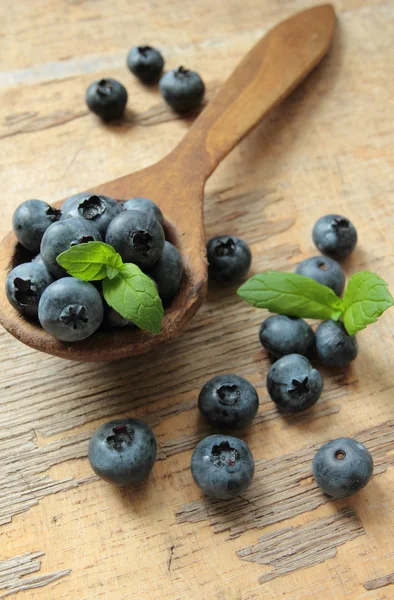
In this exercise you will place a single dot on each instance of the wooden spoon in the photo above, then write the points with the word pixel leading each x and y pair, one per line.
pixel 271 70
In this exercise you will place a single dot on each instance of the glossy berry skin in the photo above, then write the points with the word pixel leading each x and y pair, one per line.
pixel 99 210
pixel 144 205
pixel 222 466
pixel 107 98
pixel 167 272
pixel 70 309
pixel 324 270
pixel 282 335
pixel 60 236
pixel 228 401
pixel 137 236
pixel 25 285
pixel 342 467
pixel 335 236
pixel 30 221
pixel 334 346
pixel 229 258
pixel 293 383
pixel 182 89
pixel 123 451
pixel 145 63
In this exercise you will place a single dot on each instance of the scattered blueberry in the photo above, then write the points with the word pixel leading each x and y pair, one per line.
pixel 342 467
pixel 107 98
pixel 167 272
pixel 70 309
pixel 282 335
pixel 335 235
pixel 182 89
pixel 293 383
pixel 229 258
pixel 123 451
pixel 145 63
pixel 222 466
pixel 30 221
pixel 60 236
pixel 100 210
pixel 137 236
pixel 25 285
pixel 228 401
pixel 324 270
pixel 145 205
pixel 334 346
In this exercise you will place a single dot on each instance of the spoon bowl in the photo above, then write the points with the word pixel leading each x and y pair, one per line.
pixel 268 73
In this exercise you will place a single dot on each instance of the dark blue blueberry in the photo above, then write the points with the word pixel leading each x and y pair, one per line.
pixel 342 467
pixel 229 258
pixel 146 63
pixel 137 236
pixel 72 199
pixel 293 383
pixel 100 210
pixel 107 98
pixel 228 401
pixel 145 205
pixel 60 236
pixel 25 285
pixel 324 270
pixel 335 235
pixel 282 335
pixel 70 309
pixel 114 319
pixel 222 466
pixel 123 451
pixel 334 346
pixel 182 89
pixel 30 221
pixel 167 272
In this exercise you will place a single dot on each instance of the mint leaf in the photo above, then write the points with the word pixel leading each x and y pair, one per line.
pixel 292 295
pixel 90 261
pixel 134 295
pixel 366 298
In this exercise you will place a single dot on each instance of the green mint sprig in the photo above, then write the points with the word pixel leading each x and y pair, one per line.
pixel 125 287
pixel 366 298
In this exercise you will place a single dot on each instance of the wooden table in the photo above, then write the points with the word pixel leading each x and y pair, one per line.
pixel 328 148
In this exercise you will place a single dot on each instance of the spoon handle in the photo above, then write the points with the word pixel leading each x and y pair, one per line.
pixel 267 74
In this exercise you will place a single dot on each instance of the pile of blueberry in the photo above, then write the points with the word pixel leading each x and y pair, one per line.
pixel 66 307
pixel 182 89
pixel 122 452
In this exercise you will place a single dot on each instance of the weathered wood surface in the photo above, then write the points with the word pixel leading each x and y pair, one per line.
pixel 329 147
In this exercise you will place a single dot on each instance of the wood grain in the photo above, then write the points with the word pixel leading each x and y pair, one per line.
pixel 327 148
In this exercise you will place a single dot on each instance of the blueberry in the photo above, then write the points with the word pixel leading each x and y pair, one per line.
pixel 30 221
pixel 25 285
pixel 72 199
pixel 107 98
pixel 182 89
pixel 222 466
pixel 123 451
pixel 228 401
pixel 334 346
pixel 145 205
pixel 114 319
pixel 37 259
pixel 293 383
pixel 342 467
pixel 229 258
pixel 146 63
pixel 70 309
pixel 282 335
pixel 60 236
pixel 324 270
pixel 100 210
pixel 335 235
pixel 167 272
pixel 137 236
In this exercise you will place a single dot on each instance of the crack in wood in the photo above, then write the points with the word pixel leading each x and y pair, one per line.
pixel 14 571
pixel 294 548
